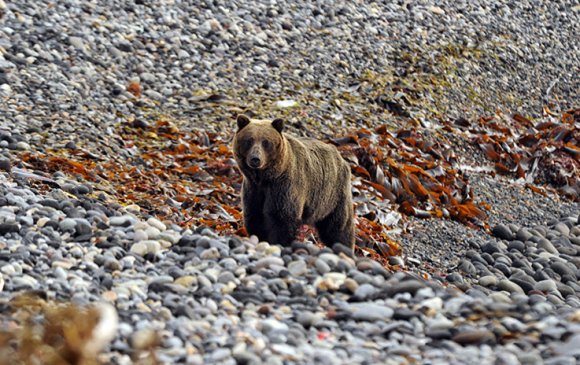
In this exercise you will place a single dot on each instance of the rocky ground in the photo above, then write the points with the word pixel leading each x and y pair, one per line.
pixel 73 73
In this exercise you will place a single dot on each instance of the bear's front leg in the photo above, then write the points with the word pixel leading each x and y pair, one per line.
pixel 283 219
pixel 253 209
pixel 281 231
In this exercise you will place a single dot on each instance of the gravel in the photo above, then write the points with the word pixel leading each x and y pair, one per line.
pixel 510 296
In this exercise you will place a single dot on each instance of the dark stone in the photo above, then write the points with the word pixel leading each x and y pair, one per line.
pixel 124 46
pixel 84 237
pixel 5 164
pixel 467 267
pixel 84 189
pixel 175 272
pixel 562 269
pixel 184 311
pixel 541 275
pixel 547 246
pixel 339 247
pixel 140 123
pixel 475 337
pixel 6 228
pixel 475 257
pixel 246 295
pixel 157 287
pixel 478 291
pixel 551 274
pixel 503 232
pixel 50 203
pixel 454 278
pixel 296 289
pixel 297 245
pixel 502 259
pixel 569 279
pixel 488 258
pixel 523 265
pixel 107 282
pixel 565 290
pixel 523 235
pixel 407 286
pixel 482 269
pixel 82 227
pixel 286 25
pixel 234 242
pixel 517 245
pixel 187 240
pixel 506 270
pixel 525 285
pixel 490 247
pixel 438 334
pixel 273 63
pixel 405 314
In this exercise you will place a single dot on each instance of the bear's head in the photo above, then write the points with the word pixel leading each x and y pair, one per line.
pixel 259 144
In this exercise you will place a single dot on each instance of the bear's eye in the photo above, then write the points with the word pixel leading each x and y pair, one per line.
pixel 248 143
pixel 267 144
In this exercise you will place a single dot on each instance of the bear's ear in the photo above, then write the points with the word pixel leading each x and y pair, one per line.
pixel 243 121
pixel 278 124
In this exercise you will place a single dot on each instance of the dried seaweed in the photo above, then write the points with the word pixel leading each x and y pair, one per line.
pixel 545 153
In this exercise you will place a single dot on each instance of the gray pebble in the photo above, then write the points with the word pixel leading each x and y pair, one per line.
pixel 547 246
pixel 321 266
pixel 370 312
pixel 297 268
pixel 545 285
pixel 68 225
pixel 122 221
pixel 503 232
pixel 510 286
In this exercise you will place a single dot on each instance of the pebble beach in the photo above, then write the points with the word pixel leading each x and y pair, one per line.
pixel 457 294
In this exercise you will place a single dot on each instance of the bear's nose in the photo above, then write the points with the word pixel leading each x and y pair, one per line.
pixel 254 162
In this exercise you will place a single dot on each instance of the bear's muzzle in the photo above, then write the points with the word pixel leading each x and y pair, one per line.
pixel 254 162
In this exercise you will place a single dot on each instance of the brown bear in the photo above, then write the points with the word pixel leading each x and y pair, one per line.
pixel 292 181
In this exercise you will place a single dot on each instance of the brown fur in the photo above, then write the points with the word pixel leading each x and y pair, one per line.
pixel 292 181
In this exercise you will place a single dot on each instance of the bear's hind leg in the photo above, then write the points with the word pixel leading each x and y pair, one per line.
pixel 337 227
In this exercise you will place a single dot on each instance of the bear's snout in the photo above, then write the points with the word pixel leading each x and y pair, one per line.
pixel 255 158
pixel 254 162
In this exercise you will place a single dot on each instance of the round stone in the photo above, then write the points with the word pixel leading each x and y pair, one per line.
pixel 67 225
pixel 503 232
pixel 297 268
pixel 488 281
pixel 510 286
